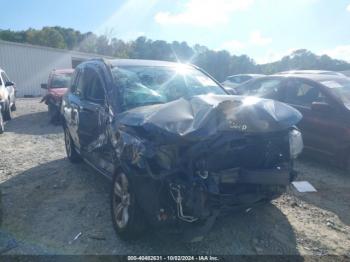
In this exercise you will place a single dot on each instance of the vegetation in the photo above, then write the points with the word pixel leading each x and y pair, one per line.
pixel 218 63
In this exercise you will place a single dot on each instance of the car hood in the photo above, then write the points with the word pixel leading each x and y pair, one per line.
pixel 57 91
pixel 206 115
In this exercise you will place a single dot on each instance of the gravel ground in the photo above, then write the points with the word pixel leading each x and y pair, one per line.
pixel 47 202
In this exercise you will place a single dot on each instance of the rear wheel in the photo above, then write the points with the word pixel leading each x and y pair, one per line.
pixel 54 113
pixel 72 154
pixel 13 107
pixel 127 217
pixel 7 112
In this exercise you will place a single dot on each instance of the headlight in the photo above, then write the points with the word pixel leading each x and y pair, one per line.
pixel 296 144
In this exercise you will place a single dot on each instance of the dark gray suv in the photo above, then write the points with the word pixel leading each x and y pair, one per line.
pixel 179 149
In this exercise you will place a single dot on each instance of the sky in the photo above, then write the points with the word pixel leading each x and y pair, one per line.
pixel 265 30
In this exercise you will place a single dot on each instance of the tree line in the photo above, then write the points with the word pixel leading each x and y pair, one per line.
pixel 219 64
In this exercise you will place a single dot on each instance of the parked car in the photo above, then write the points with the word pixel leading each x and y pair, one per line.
pixel 323 100
pixel 177 147
pixel 236 80
pixel 312 72
pixel 7 96
pixel 57 85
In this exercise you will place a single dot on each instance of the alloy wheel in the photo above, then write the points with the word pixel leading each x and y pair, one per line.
pixel 121 200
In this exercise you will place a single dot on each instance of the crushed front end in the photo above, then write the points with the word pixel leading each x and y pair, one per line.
pixel 216 155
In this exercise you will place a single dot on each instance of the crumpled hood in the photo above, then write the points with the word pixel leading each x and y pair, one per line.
pixel 206 115
pixel 59 92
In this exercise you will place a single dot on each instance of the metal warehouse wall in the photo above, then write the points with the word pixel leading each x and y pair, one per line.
pixel 29 66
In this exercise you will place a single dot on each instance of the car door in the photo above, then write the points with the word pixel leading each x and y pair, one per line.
pixel 71 104
pixel 93 119
pixel 318 126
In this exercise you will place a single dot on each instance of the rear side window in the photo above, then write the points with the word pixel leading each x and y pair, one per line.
pixel 302 93
pixel 77 82
pixel 61 80
pixel 268 88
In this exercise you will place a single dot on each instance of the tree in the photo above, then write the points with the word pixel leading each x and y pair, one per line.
pixel 219 64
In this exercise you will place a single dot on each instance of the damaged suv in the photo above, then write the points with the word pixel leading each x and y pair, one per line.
pixel 177 147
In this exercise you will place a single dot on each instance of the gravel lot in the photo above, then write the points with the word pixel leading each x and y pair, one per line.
pixel 48 201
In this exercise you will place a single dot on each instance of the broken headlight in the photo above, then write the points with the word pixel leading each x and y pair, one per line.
pixel 296 144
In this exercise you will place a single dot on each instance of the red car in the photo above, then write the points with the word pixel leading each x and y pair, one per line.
pixel 57 85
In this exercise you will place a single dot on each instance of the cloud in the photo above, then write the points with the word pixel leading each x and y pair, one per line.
pixel 348 8
pixel 203 13
pixel 257 39
pixel 130 15
pixel 341 52
pixel 232 46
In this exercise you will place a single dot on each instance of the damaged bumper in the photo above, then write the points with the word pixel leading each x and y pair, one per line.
pixel 277 176
pixel 196 158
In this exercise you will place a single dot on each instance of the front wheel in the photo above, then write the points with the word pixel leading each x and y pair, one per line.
pixel 72 154
pixel 127 217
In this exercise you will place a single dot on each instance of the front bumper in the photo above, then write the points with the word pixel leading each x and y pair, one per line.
pixel 283 176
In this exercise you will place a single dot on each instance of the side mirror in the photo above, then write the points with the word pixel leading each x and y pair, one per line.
pixel 43 86
pixel 321 107
pixel 9 83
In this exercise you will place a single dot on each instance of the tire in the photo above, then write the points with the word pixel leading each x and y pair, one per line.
pixel 2 126
pixel 127 217
pixel 54 114
pixel 276 193
pixel 72 154
pixel 7 113
pixel 13 107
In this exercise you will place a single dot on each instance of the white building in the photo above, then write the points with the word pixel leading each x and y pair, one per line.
pixel 29 66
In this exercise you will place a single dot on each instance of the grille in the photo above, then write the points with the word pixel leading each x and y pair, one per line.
pixel 252 152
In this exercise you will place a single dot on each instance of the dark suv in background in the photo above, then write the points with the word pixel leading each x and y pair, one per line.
pixel 177 147
pixel 323 100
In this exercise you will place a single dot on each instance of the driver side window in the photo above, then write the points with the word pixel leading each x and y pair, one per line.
pixel 93 88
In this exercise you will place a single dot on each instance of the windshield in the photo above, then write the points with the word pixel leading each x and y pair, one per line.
pixel 61 80
pixel 144 85
pixel 339 87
